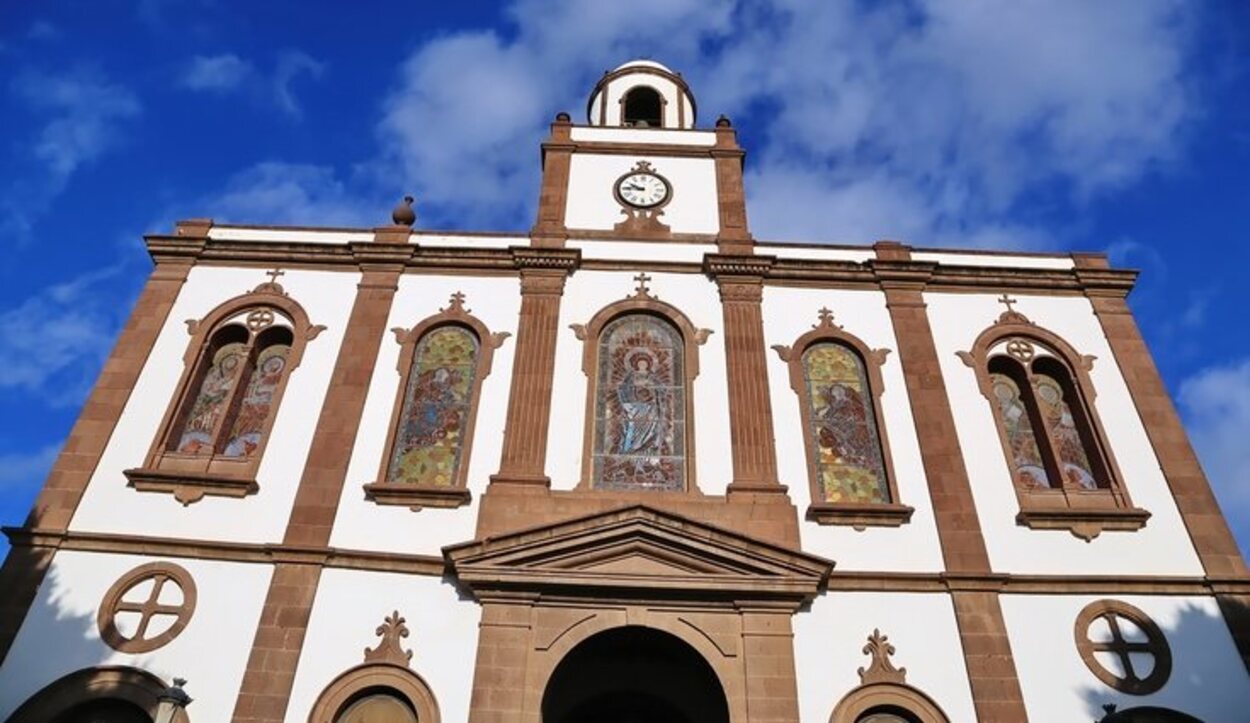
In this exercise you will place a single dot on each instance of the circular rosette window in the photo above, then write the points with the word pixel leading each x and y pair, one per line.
pixel 1123 647
pixel 147 607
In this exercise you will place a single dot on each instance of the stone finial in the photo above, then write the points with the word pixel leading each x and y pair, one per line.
pixel 563 117
pixel 881 669
pixel 403 214
pixel 392 631
pixel 723 121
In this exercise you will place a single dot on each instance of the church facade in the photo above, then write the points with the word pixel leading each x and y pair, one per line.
pixel 632 465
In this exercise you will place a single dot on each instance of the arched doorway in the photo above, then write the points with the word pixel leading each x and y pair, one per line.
pixel 643 107
pixel 634 675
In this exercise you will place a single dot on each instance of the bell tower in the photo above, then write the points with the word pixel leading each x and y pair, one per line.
pixel 641 169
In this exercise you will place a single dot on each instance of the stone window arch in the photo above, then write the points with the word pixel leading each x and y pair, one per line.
pixel 383 684
pixel 442 364
pixel 640 356
pixel 642 106
pixel 837 378
pixel 122 692
pixel 236 368
pixel 1040 393
pixel 883 695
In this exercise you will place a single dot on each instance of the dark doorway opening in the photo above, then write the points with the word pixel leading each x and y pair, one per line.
pixel 634 675
pixel 643 108
pixel 106 710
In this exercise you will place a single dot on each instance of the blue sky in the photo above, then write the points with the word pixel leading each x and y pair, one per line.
pixel 1120 125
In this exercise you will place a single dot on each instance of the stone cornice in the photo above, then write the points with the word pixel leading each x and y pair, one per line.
pixel 773 269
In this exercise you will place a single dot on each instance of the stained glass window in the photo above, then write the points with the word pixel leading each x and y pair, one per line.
pixel 435 410
pixel 845 443
pixel 1069 447
pixel 380 707
pixel 257 403
pixel 1026 456
pixel 212 398
pixel 640 406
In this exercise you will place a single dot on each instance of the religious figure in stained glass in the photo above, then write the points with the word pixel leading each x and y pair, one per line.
pixel 1026 456
pixel 848 460
pixel 640 406
pixel 257 403
pixel 435 411
pixel 1069 447
pixel 211 400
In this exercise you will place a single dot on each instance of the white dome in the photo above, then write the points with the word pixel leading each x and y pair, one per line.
pixel 643 63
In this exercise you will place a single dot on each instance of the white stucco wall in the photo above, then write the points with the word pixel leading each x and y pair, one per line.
pixel 60 634
pixel 591 204
pixel 349 606
pixel 618 87
pixel 109 505
pixel 288 235
pixel 1208 679
pixel 788 314
pixel 361 524
pixel 644 135
pixel 1020 261
pixel 1162 547
pixel 641 251
pixel 816 253
pixel 829 637
pixel 584 295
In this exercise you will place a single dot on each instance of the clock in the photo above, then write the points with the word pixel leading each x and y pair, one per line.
pixel 643 188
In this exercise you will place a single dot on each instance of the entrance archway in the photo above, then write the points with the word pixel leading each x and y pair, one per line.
pixel 634 675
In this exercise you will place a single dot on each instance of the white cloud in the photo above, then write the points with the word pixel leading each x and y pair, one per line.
pixel 21 469
pixel 86 112
pixel 217 73
pixel 1216 407
pixel 929 120
pixel 291 65
pixel 226 73
pixel 53 342
pixel 275 192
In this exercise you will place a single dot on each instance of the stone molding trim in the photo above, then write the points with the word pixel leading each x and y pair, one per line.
pixel 637 552
pixel 47 542
pixel 160 573
pixel 1156 645
pixel 641 301
pixel 829 274
pixel 135 686
pixel 386 669
pixel 23 571
pixel 883 686
pixel 416 496
pixel 189 477
pixel 1084 513
pixel 860 516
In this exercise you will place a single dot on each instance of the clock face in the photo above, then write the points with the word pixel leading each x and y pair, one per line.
pixel 642 190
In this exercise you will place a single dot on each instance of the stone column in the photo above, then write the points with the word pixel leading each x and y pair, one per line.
pixel 741 283
pixel 503 645
pixel 270 670
pixel 529 403
pixel 734 236
pixel 982 631
pixel 25 566
pixel 768 657
pixel 549 230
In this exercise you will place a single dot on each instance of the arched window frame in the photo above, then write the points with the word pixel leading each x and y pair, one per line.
pixel 1085 513
pixel 190 477
pixel 663 105
pixel 116 682
pixel 417 496
pixel 857 515
pixel 385 670
pixel 884 686
pixel 590 334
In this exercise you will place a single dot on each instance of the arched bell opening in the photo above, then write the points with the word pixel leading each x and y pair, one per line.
pixel 634 675
pixel 643 108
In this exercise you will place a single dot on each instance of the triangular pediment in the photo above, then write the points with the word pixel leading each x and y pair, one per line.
pixel 637 550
